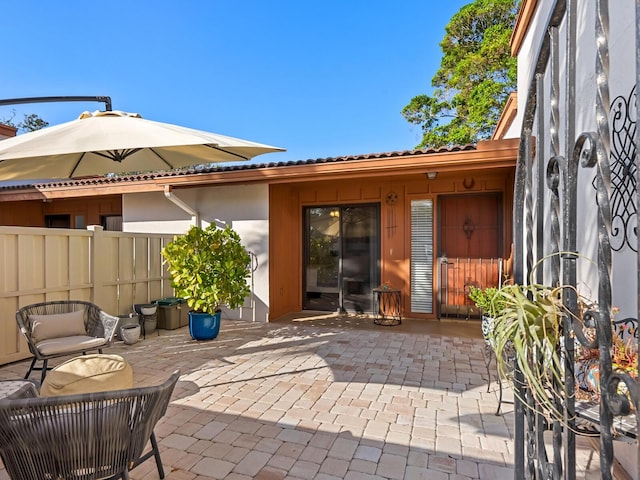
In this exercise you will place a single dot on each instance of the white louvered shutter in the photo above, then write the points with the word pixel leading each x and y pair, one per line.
pixel 422 256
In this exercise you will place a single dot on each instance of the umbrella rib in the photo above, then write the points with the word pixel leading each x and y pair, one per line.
pixel 215 147
pixel 153 150
pixel 73 170
pixel 118 155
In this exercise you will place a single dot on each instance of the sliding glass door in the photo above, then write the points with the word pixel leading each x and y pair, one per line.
pixel 342 256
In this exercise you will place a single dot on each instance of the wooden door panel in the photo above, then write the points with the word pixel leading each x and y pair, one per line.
pixel 470 226
pixel 470 239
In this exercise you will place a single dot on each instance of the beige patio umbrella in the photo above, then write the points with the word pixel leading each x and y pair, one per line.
pixel 100 143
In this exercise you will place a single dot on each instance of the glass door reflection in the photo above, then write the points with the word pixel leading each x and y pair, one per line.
pixel 341 257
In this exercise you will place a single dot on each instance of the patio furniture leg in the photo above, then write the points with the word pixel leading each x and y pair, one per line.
pixel 509 360
pixel 488 358
pixel 33 362
pixel 155 452
pixel 45 363
pixel 487 362
pixel 499 395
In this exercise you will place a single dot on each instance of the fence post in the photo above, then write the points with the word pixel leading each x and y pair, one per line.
pixel 97 264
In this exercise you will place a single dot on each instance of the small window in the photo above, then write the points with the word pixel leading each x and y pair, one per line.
pixel 57 221
pixel 113 223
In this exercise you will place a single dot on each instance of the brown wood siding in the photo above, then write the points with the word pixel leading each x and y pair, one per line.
pixel 22 214
pixel 31 213
pixel 285 223
pixel 285 250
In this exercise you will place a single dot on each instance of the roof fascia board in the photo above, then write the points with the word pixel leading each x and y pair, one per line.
pixel 7 131
pixel 21 195
pixel 69 191
pixel 506 117
pixel 487 155
pixel 525 15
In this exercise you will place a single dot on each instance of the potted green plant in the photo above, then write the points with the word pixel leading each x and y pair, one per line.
pixel 209 268
pixel 528 332
pixel 487 299
pixel 491 303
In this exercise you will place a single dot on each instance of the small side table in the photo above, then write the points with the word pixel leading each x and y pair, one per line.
pixel 387 306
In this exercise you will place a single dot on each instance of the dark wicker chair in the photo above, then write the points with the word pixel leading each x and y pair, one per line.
pixel 86 436
pixel 98 333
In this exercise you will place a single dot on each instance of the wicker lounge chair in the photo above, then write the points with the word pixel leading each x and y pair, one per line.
pixel 86 436
pixel 64 327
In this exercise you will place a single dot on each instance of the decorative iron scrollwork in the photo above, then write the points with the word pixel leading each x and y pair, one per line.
pixel 623 173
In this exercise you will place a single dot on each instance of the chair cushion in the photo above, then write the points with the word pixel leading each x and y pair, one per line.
pixel 87 374
pixel 57 325
pixel 75 344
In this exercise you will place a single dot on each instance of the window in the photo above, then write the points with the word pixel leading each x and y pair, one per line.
pixel 57 221
pixel 113 223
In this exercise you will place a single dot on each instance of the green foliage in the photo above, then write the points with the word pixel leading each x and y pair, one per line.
pixel 209 267
pixel 476 74
pixel 30 123
pixel 528 331
pixel 488 300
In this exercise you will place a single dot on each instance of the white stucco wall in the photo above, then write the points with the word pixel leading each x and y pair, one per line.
pixel 245 208
pixel 621 83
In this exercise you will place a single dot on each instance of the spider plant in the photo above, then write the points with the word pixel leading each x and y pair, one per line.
pixel 528 331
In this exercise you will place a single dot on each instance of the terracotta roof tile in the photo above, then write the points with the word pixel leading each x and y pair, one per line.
pixel 228 168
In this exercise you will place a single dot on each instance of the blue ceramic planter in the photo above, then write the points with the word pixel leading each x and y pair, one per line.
pixel 204 326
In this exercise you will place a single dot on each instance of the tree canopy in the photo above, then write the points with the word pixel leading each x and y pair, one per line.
pixel 476 75
pixel 29 123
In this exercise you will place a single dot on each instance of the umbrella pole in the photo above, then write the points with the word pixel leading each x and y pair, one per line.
pixel 16 101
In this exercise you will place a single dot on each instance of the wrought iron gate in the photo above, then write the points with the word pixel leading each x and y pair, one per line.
pixel 547 192
pixel 457 276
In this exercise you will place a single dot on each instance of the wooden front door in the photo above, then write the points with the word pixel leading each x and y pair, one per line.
pixel 470 245
pixel 471 226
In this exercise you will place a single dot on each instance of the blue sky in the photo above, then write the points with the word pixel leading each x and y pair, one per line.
pixel 321 78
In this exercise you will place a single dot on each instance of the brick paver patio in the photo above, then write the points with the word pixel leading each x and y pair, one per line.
pixel 296 401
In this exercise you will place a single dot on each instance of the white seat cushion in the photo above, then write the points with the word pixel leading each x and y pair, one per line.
pixel 76 343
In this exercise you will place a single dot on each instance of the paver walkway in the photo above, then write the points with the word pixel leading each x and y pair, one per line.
pixel 297 401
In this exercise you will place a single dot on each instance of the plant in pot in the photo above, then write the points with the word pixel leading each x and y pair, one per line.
pixel 491 303
pixel 624 358
pixel 530 327
pixel 209 268
pixel 523 325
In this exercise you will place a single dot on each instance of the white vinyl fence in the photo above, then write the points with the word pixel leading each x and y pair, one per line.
pixel 111 269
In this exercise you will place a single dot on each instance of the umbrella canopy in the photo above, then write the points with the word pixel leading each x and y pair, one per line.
pixel 100 143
